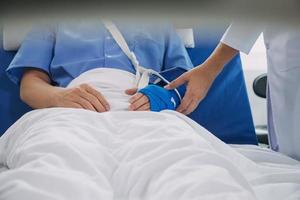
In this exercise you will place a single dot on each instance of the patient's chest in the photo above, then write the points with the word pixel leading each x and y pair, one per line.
pixel 83 47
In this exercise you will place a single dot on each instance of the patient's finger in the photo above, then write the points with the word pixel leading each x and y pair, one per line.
pixel 73 105
pixel 140 102
pixel 131 91
pixel 98 95
pixel 177 82
pixel 93 100
pixel 145 107
pixel 135 97
pixel 84 103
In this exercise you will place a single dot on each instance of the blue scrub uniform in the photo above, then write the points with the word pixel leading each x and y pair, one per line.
pixel 64 51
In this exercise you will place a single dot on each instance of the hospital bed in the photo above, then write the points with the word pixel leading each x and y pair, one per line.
pixel 174 155
pixel 225 112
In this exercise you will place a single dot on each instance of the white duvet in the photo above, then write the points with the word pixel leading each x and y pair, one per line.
pixel 72 154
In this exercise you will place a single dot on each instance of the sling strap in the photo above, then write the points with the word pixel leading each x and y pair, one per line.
pixel 142 74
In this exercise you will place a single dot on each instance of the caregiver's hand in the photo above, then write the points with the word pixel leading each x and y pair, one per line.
pixel 201 78
pixel 198 82
pixel 82 96
pixel 138 101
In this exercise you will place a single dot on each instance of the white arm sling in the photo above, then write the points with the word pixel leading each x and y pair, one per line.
pixel 142 74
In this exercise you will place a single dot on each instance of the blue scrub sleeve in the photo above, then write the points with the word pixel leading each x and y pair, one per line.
pixel 175 53
pixel 36 51
pixel 160 98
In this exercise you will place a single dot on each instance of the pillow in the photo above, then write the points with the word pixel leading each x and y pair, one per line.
pixel 14 34
pixel 187 37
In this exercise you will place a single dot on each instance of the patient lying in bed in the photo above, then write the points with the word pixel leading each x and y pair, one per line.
pixel 51 57
pixel 59 153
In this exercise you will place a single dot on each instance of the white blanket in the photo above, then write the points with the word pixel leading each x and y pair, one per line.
pixel 70 154
pixel 77 154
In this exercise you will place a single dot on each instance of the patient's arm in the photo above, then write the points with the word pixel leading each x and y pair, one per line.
pixel 36 90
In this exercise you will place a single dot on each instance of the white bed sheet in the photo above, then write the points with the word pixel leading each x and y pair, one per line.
pixel 263 155
pixel 77 154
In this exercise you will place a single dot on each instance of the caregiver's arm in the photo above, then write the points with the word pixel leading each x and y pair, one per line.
pixel 36 90
pixel 200 79
pixel 239 36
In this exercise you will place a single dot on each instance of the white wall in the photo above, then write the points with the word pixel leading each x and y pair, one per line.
pixel 254 64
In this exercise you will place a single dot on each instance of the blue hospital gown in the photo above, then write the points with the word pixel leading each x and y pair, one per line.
pixel 65 50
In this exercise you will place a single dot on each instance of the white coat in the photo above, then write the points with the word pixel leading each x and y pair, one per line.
pixel 283 96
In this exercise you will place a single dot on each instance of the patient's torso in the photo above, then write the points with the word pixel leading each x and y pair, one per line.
pixel 112 84
pixel 65 51
pixel 83 47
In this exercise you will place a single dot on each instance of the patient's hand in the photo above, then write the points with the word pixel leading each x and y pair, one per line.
pixel 82 96
pixel 36 90
pixel 138 101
